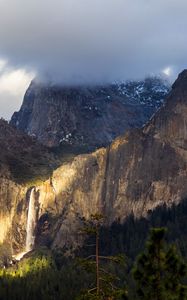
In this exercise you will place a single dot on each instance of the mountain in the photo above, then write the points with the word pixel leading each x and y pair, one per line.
pixel 136 174
pixel 88 116
pixel 140 172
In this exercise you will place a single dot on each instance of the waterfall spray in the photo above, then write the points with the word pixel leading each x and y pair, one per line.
pixel 31 222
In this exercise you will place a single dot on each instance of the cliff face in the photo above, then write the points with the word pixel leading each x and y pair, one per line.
pixel 89 116
pixel 138 172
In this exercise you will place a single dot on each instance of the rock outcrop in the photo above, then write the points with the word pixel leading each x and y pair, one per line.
pixel 138 172
pixel 22 158
pixel 87 116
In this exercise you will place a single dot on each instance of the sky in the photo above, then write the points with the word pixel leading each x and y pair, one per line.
pixel 87 42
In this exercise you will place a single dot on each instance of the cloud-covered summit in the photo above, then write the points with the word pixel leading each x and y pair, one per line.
pixel 87 41
pixel 94 40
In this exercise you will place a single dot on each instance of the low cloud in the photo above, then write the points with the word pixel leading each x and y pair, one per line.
pixel 94 40
pixel 13 83
pixel 88 41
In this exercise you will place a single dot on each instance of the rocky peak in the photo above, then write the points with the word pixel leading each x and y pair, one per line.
pixel 170 124
pixel 181 81
pixel 87 116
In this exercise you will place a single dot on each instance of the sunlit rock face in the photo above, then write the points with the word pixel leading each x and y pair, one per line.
pixel 138 172
pixel 135 174
pixel 12 213
pixel 88 116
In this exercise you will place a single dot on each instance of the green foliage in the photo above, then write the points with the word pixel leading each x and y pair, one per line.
pixel 32 279
pixel 50 275
pixel 42 277
pixel 159 270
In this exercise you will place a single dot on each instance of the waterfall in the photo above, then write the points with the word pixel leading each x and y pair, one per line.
pixel 31 222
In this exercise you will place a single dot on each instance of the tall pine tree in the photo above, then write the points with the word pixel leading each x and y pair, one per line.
pixel 105 286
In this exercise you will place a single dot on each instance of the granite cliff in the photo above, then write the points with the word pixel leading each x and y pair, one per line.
pixel 140 171
pixel 137 173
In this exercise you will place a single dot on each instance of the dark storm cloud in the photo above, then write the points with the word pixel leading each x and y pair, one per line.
pixel 94 40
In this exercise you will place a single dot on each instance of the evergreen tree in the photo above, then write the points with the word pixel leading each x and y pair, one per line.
pixel 104 286
pixel 159 270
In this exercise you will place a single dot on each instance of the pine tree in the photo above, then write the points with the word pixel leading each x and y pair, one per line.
pixel 104 287
pixel 159 270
